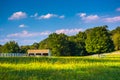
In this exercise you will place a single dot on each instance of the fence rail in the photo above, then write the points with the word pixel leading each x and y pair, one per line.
pixel 12 54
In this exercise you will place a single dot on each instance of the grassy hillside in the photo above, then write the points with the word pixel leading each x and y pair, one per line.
pixel 60 68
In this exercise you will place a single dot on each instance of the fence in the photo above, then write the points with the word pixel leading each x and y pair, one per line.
pixel 12 54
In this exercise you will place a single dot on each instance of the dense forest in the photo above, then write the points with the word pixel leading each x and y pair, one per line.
pixel 92 41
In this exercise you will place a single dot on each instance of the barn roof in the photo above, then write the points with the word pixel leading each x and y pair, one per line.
pixel 39 51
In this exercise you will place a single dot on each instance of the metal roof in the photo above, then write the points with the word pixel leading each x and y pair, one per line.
pixel 39 51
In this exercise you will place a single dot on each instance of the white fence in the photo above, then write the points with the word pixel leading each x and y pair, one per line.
pixel 12 54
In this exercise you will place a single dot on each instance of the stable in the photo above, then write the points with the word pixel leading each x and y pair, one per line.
pixel 43 52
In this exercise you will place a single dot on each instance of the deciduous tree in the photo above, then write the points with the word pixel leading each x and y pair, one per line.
pixel 10 47
pixel 99 40
pixel 116 38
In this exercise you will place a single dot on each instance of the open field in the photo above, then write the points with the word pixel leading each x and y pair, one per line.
pixel 60 68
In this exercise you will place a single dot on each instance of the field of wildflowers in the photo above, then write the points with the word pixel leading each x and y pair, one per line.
pixel 60 68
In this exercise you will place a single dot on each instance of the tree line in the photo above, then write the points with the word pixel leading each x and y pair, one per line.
pixel 91 41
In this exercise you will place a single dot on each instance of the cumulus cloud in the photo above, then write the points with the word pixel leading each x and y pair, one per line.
pixel 112 19
pixel 91 17
pixel 20 41
pixel 62 16
pixel 35 15
pixel 68 31
pixel 17 15
pixel 22 26
pixel 88 18
pixel 25 33
pixel 118 9
pixel 47 16
pixel 82 14
pixel 28 41
pixel 6 40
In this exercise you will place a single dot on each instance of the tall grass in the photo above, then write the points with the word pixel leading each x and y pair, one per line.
pixel 60 68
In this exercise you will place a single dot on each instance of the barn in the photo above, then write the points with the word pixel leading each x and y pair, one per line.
pixel 38 52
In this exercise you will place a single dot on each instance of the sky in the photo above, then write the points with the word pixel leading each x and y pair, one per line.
pixel 29 21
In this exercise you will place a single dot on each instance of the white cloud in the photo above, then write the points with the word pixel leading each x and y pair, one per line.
pixel 82 14
pixel 25 33
pixel 20 41
pixel 28 41
pixel 118 9
pixel 35 15
pixel 6 40
pixel 112 19
pixel 94 18
pixel 68 31
pixel 91 17
pixel 88 18
pixel 22 26
pixel 47 16
pixel 17 15
pixel 62 16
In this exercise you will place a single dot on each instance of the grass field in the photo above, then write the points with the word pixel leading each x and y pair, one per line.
pixel 60 68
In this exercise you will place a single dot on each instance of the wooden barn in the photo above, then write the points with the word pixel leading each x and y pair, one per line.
pixel 43 52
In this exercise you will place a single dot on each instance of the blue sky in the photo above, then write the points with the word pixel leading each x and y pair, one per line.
pixel 29 21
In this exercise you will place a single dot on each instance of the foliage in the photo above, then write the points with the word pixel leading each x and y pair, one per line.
pixel 98 40
pixel 34 46
pixel 11 47
pixel 77 44
pixel 80 41
pixel 44 44
pixel 58 43
pixel 63 45
pixel 0 48
pixel 116 38
pixel 23 49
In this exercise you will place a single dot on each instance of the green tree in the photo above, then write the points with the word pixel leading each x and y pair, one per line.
pixel 10 47
pixel 73 46
pixel 116 38
pixel 57 43
pixel 77 44
pixel 44 44
pixel 0 48
pixel 23 49
pixel 98 40
pixel 80 41
pixel 34 46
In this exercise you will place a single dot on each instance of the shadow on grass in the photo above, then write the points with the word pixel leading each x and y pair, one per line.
pixel 63 60
pixel 91 73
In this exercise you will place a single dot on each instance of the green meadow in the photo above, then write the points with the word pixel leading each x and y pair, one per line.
pixel 60 68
